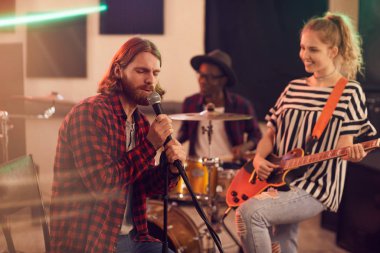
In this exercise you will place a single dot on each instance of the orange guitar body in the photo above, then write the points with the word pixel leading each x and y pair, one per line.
pixel 246 183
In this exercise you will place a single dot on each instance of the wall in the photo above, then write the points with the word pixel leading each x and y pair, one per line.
pixel 350 8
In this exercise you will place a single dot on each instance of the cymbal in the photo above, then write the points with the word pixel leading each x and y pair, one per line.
pixel 26 116
pixel 209 115
pixel 37 107
pixel 54 98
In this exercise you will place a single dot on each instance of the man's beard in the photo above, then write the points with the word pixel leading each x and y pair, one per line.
pixel 135 95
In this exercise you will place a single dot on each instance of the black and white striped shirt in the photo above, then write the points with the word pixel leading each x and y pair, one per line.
pixel 293 118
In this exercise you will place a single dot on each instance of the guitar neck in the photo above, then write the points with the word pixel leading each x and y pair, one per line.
pixel 315 158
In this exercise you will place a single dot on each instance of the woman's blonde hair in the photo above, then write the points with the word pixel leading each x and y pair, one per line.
pixel 336 29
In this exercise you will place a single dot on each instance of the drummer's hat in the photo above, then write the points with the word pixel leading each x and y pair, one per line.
pixel 218 58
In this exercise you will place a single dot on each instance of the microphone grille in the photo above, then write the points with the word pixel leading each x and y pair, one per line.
pixel 154 98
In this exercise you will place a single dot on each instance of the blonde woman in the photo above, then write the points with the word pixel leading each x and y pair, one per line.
pixel 330 50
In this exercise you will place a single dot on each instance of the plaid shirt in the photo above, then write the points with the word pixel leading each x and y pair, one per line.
pixel 234 103
pixel 92 172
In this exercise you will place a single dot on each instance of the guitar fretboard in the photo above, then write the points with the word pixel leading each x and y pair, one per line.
pixel 310 159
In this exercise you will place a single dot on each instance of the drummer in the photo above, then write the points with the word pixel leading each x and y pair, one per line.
pixel 229 138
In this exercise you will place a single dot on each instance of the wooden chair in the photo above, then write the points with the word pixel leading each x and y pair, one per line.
pixel 19 190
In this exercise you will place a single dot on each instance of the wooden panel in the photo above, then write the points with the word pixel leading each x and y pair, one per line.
pixel 57 48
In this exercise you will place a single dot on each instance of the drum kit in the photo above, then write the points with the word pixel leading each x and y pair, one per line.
pixel 207 176
pixel 209 181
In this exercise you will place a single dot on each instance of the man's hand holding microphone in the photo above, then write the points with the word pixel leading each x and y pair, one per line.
pixel 160 134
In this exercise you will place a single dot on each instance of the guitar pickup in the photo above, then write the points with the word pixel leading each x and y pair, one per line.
pixel 253 177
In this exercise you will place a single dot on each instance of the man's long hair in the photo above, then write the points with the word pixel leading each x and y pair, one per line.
pixel 111 84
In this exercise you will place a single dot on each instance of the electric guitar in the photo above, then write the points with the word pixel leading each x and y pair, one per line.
pixel 246 183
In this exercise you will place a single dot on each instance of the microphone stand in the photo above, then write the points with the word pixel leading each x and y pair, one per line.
pixel 165 167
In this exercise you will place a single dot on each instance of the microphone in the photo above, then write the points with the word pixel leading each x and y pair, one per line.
pixel 154 99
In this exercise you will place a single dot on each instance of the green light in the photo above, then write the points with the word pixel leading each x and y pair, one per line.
pixel 34 18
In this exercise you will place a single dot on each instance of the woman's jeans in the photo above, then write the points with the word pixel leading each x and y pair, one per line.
pixel 273 217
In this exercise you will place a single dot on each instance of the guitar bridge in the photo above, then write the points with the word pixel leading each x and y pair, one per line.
pixel 275 176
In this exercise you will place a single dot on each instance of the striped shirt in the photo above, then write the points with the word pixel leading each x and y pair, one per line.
pixel 293 118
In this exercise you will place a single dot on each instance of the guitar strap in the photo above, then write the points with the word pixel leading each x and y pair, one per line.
pixel 326 114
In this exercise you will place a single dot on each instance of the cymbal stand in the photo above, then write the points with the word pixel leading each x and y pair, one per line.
pixel 209 132
pixel 4 117
pixel 212 168
pixel 49 111
pixel 211 165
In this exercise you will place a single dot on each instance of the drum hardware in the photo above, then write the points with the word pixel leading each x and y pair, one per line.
pixel 155 101
pixel 165 240
pixel 202 214
pixel 211 163
pixel 52 104
pixel 4 117
pixel 209 132
pixel 49 105
pixel 227 229
pixel 5 126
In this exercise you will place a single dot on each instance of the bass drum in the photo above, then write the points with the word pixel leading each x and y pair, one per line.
pixel 183 234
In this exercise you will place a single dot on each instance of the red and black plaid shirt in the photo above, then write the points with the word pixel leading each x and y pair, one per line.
pixel 92 172
pixel 234 103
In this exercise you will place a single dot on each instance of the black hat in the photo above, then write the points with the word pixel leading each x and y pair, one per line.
pixel 218 58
